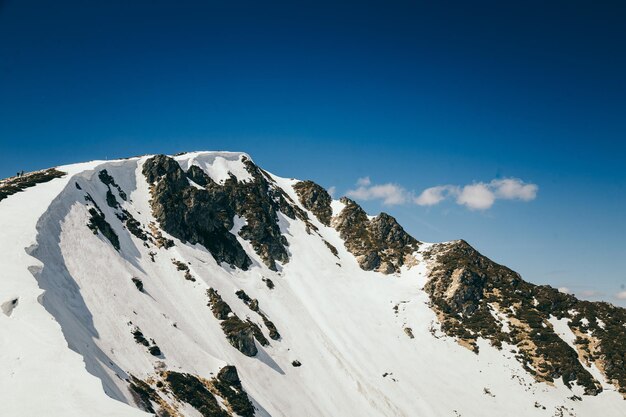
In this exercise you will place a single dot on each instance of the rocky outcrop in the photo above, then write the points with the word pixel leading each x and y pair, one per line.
pixel 206 215
pixel 229 387
pixel 195 392
pixel 140 339
pixel 315 199
pixel 109 181
pixel 124 216
pixel 380 244
pixel 181 266
pixel 163 394
pixel 240 334
pixel 19 183
pixel 476 298
pixel 98 223
pixel 253 304
pixel 193 215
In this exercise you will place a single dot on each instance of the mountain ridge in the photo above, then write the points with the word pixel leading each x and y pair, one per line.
pixel 213 230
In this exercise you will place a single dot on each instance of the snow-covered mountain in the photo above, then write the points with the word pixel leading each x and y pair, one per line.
pixel 201 285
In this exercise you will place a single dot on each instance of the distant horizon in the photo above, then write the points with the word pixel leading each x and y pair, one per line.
pixel 501 124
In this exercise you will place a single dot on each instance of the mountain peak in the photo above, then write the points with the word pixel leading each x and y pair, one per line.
pixel 199 283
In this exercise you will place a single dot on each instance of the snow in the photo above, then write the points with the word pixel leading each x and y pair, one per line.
pixel 562 329
pixel 218 165
pixel 40 374
pixel 67 352
pixel 337 206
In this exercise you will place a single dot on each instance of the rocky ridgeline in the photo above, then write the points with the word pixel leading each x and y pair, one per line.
pixel 193 215
pixel 472 296
pixel 475 297
pixel 380 244
pixel 19 183
pixel 206 215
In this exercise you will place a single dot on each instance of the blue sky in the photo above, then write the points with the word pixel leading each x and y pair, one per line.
pixel 411 94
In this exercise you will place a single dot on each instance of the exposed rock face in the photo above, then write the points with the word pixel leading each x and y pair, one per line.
pixel 253 304
pixel 197 175
pixel 206 216
pixel 109 181
pixel 193 215
pixel 315 199
pixel 145 394
pixel 259 203
pixel 474 297
pixel 380 244
pixel 240 334
pixel 222 396
pixel 229 387
pixel 190 389
pixel 98 223
pixel 122 214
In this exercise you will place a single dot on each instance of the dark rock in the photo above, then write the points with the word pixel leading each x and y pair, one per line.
pixel 296 364
pixel 315 199
pixel 97 223
pixel 229 375
pixel 138 283
pixel 140 338
pixel 206 215
pixel 269 283
pixel 110 182
pixel 134 227
pixel 380 244
pixel 241 334
pixel 243 296
pixel 193 215
pixel 219 307
pixel 111 200
pixel 197 175
pixel 181 266
pixel 14 185
pixel 253 304
pixel 193 391
pixel 154 350
pixel 229 386
pixel 465 286
pixel 332 249
pixel 144 394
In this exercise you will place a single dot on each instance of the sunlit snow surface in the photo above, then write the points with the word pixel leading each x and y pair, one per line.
pixel 66 347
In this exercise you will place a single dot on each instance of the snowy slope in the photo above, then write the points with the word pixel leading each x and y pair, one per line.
pixel 67 348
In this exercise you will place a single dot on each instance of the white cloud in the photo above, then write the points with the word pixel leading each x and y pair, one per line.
pixel 363 182
pixel 479 195
pixel 332 190
pixel 391 194
pixel 514 189
pixel 476 196
pixel 435 195
pixel 621 295
pixel 564 290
